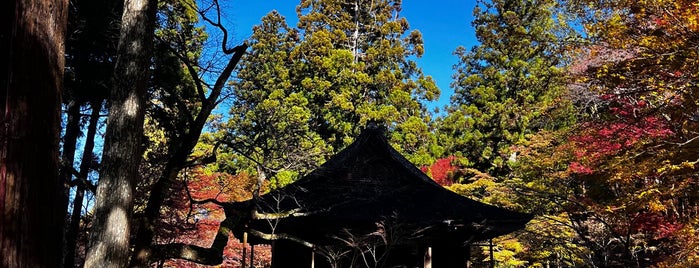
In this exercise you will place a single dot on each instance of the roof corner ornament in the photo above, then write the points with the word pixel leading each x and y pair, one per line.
pixel 376 126
pixel 373 124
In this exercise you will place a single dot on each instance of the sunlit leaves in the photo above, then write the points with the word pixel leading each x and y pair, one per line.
pixel 505 85
pixel 356 63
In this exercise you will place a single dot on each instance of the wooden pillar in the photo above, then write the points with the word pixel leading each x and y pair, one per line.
pixel 252 255
pixel 428 258
pixel 245 243
pixel 289 254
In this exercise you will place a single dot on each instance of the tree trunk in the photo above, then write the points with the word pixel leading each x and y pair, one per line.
pixel 109 237
pixel 72 131
pixel 85 166
pixel 31 192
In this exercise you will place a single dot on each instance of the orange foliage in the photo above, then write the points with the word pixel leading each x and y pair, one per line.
pixel 198 224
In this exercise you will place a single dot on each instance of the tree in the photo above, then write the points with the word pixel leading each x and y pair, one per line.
pixel 190 104
pixel 355 64
pixel 90 49
pixel 507 86
pixel 31 193
pixel 642 69
pixel 268 126
pixel 86 166
pixel 623 180
pixel 110 233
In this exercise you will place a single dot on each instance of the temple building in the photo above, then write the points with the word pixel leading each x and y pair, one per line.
pixel 368 206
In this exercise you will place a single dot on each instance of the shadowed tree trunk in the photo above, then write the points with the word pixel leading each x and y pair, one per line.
pixel 110 233
pixel 72 131
pixel 85 166
pixel 32 203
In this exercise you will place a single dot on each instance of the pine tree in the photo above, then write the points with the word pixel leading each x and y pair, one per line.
pixel 506 86
pixel 182 104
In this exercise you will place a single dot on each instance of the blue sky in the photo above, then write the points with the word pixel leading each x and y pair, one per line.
pixel 444 25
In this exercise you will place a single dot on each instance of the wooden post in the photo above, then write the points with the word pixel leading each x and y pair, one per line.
pixel 245 242
pixel 428 258
pixel 492 259
pixel 252 255
pixel 313 257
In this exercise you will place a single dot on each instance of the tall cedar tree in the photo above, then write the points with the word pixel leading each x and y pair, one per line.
pixel 111 228
pixel 355 63
pixel 504 87
pixel 31 194
pixel 268 125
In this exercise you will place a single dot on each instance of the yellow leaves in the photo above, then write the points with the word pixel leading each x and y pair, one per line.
pixel 650 191
pixel 668 167
pixel 552 238
pixel 656 206
pixel 506 250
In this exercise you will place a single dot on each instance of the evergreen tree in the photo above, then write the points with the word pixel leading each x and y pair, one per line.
pixel 268 126
pixel 505 87
pixel 355 64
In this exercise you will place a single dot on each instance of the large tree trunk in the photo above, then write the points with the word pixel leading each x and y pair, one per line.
pixel 31 194
pixel 85 166
pixel 109 240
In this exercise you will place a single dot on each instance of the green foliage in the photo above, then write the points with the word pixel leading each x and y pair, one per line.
pixel 178 45
pixel 355 63
pixel 305 93
pixel 268 120
pixel 508 86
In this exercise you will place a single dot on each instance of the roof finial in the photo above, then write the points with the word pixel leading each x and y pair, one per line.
pixel 374 125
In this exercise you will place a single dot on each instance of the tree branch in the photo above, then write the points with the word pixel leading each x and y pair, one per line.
pixel 267 236
pixel 81 179
pixel 201 255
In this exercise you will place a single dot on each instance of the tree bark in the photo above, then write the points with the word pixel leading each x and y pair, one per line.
pixel 85 166
pixel 32 203
pixel 110 233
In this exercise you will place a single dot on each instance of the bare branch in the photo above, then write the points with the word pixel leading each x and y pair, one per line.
pixel 683 144
pixel 280 236
pixel 280 215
